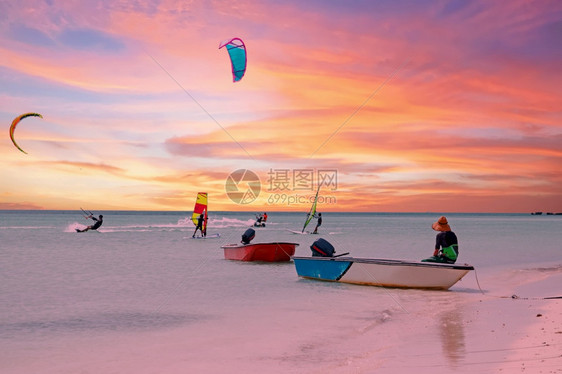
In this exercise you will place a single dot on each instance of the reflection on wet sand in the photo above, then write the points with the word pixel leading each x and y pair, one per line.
pixel 452 336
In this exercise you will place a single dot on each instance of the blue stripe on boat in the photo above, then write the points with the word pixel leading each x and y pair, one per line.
pixel 325 270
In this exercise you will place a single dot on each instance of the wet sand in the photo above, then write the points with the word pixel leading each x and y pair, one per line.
pixel 504 330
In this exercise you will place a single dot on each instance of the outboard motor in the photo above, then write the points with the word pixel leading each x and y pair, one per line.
pixel 322 248
pixel 248 236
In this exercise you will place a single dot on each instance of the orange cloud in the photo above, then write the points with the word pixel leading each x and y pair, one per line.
pixel 450 106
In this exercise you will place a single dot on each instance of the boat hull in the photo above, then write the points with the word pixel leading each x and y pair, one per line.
pixel 381 272
pixel 268 252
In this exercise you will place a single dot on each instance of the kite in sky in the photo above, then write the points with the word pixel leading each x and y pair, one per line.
pixel 15 123
pixel 237 52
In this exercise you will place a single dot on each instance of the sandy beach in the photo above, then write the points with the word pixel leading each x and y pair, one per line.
pixel 460 331
pixel 537 346
pixel 504 330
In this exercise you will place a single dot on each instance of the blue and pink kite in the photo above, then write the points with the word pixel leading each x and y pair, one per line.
pixel 237 52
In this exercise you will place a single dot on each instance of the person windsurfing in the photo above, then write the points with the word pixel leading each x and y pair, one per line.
pixel 318 224
pixel 97 223
pixel 199 226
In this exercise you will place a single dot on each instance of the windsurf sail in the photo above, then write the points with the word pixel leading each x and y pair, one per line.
pixel 312 211
pixel 200 208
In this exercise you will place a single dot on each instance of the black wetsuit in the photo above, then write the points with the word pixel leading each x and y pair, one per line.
pixel 98 223
pixel 318 225
pixel 199 226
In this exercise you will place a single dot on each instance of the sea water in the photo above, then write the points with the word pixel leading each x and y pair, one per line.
pixel 141 296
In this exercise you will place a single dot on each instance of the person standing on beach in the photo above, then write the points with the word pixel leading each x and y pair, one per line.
pixel 199 226
pixel 446 243
pixel 95 226
pixel 318 224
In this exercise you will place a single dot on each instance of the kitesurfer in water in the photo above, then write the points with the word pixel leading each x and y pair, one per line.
pixel 318 224
pixel 264 217
pixel 199 226
pixel 446 243
pixel 97 223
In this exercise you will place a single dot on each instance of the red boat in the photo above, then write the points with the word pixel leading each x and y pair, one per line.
pixel 269 252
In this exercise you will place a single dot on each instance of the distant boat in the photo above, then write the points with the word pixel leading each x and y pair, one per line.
pixel 268 252
pixel 536 213
pixel 381 272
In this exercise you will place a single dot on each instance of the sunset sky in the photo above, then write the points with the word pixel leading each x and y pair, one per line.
pixel 443 106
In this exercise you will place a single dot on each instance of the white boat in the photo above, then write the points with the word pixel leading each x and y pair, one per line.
pixel 381 272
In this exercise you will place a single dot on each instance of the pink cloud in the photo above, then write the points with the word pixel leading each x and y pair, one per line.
pixel 128 87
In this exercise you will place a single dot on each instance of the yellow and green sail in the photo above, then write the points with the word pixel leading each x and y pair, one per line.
pixel 312 211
